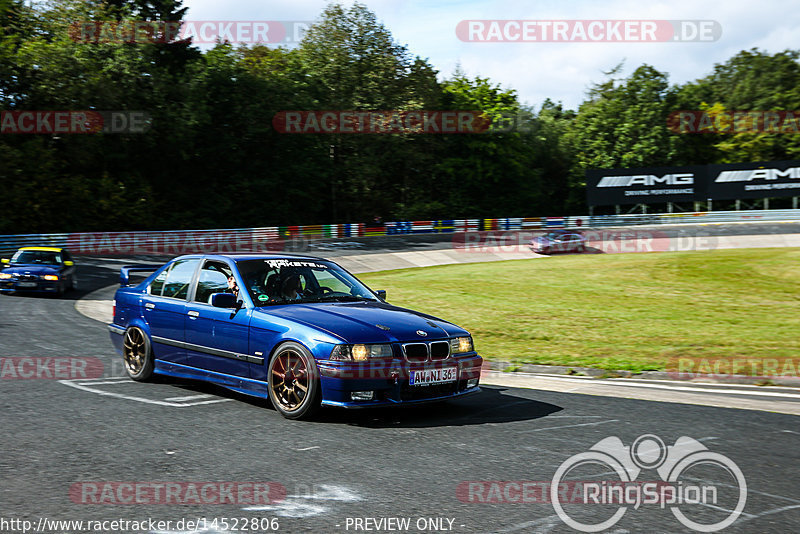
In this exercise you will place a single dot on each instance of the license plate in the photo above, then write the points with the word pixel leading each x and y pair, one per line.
pixel 26 284
pixel 433 376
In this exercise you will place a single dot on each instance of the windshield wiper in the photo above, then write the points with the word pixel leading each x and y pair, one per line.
pixel 343 298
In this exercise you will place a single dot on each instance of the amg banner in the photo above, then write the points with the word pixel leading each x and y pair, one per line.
pixel 645 185
pixel 731 181
pixel 754 180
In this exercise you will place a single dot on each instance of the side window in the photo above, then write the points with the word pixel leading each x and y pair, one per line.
pixel 213 279
pixel 158 284
pixel 326 279
pixel 179 279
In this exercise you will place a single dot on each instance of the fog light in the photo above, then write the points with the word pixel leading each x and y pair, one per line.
pixel 362 395
pixel 472 382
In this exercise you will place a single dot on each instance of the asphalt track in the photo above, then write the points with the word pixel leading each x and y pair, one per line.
pixel 414 463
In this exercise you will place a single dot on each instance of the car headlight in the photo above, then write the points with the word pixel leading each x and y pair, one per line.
pixel 460 345
pixel 5 276
pixel 361 353
pixel 50 277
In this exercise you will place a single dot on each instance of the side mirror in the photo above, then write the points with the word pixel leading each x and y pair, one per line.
pixel 381 294
pixel 69 263
pixel 5 261
pixel 223 300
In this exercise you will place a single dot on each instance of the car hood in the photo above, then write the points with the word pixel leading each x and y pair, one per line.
pixel 367 322
pixel 37 269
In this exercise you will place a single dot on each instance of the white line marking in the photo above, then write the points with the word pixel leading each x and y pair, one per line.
pixel 721 509
pixel 574 416
pixel 290 508
pixel 571 426
pixel 333 493
pixel 207 402
pixel 544 524
pixel 770 512
pixel 657 380
pixel 620 382
pixel 308 448
pixel 133 398
pixel 115 378
pixel 107 382
pixel 190 397
pixel 294 505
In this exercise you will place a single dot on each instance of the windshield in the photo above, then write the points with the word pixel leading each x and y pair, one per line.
pixel 289 281
pixel 37 256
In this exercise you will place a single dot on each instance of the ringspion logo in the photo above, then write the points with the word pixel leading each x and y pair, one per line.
pixel 687 496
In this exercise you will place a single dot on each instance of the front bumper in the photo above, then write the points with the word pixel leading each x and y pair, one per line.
pixel 389 381
pixel 39 286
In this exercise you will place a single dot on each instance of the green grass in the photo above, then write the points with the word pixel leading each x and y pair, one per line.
pixel 617 311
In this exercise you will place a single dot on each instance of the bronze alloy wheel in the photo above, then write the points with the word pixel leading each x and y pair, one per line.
pixel 293 381
pixel 137 354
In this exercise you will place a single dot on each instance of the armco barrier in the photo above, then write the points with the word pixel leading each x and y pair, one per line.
pixel 266 239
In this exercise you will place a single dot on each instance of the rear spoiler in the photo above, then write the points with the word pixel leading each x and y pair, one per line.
pixel 125 272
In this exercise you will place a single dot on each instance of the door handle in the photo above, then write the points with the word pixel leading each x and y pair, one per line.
pixel 193 314
pixel 149 305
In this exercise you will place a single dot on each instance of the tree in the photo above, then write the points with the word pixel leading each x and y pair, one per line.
pixel 623 124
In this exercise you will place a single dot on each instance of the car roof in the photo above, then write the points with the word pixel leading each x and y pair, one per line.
pixel 43 249
pixel 237 256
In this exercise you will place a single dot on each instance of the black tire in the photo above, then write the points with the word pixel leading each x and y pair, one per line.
pixel 73 283
pixel 137 354
pixel 293 381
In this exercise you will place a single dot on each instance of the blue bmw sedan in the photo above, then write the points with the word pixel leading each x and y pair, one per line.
pixel 299 330
pixel 44 270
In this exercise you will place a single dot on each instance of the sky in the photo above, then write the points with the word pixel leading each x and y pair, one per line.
pixel 562 71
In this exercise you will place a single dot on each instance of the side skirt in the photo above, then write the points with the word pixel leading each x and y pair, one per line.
pixel 247 386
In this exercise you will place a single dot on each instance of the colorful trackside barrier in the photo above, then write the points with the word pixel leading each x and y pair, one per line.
pixel 277 238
